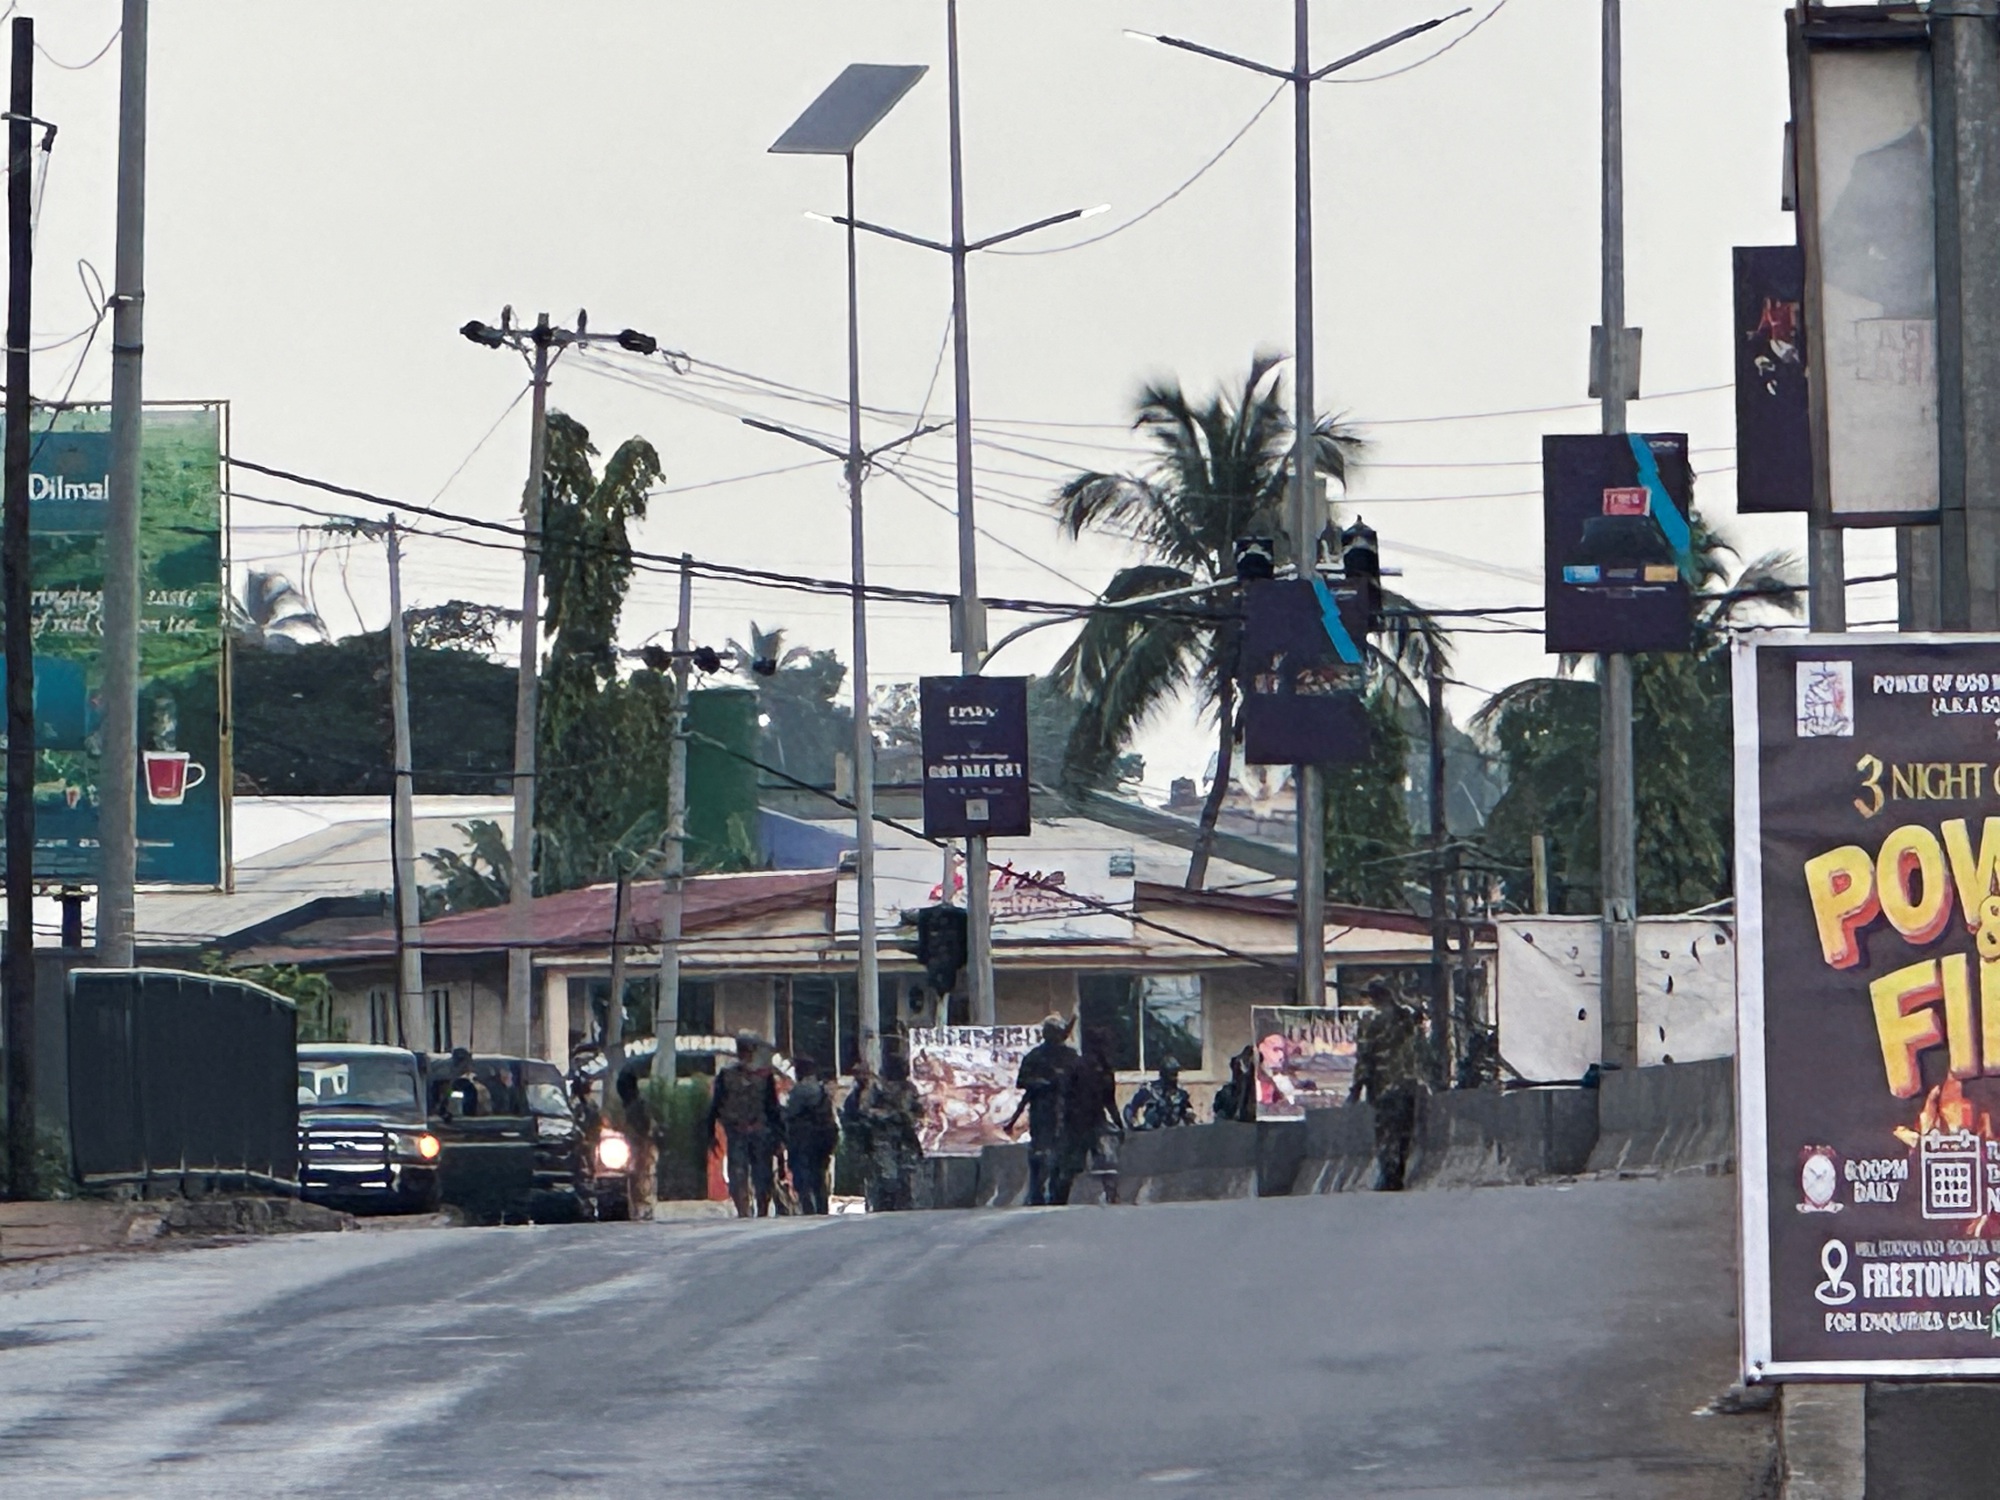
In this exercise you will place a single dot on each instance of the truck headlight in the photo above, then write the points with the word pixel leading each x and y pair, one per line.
pixel 428 1146
pixel 614 1153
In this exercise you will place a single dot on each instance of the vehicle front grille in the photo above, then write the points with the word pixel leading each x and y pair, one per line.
pixel 333 1145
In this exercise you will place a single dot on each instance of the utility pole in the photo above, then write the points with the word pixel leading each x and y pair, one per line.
pixel 1306 780
pixel 667 998
pixel 1440 918
pixel 402 813
pixel 614 1007
pixel 542 345
pixel 1618 1004
pixel 17 970
pixel 971 613
pixel 117 806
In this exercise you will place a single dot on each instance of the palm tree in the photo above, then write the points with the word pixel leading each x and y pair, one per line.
pixel 274 614
pixel 1220 471
pixel 1544 732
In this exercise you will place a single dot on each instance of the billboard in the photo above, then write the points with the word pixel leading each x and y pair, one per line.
pixel 1773 422
pixel 1048 892
pixel 1617 550
pixel 1303 667
pixel 975 733
pixel 1305 1058
pixel 964 1077
pixel 1868 891
pixel 183 772
pixel 1867 222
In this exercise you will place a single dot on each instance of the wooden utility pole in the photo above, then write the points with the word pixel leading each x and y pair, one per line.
pixel 402 814
pixel 17 970
pixel 667 996
pixel 1440 915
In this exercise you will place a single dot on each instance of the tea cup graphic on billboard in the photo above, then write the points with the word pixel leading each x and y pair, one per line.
pixel 170 776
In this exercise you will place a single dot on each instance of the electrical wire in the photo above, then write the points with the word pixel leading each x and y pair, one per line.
pixel 56 62
pixel 1499 5
pixel 1147 213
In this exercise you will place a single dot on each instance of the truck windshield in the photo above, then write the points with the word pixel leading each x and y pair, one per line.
pixel 546 1095
pixel 356 1083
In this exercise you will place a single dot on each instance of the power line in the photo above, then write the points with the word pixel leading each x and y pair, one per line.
pixel 1499 5
pixel 54 61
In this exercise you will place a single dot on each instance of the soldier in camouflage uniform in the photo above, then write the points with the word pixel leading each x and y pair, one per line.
pixel 1162 1102
pixel 889 1113
pixel 1389 1073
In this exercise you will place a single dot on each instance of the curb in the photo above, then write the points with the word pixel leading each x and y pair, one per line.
pixel 1822 1436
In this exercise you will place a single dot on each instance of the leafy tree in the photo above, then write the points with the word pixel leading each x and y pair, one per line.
pixel 458 625
pixel 1544 731
pixel 802 728
pixel 1220 471
pixel 1368 833
pixel 482 876
pixel 315 720
pixel 273 614
pixel 604 738
pixel 311 993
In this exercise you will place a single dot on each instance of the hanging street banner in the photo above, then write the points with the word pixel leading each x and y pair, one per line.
pixel 975 734
pixel 1773 421
pixel 182 774
pixel 1868 1065
pixel 1304 663
pixel 1618 547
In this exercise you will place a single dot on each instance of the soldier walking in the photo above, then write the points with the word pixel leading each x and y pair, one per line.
pixel 890 1109
pixel 810 1135
pixel 744 1102
pixel 1389 1073
pixel 1044 1072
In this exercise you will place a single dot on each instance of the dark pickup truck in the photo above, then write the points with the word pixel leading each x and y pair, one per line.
pixel 365 1141
pixel 512 1148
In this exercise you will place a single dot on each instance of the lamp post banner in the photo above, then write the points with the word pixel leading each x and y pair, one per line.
pixel 975 734
pixel 1618 544
pixel 1868 1004
pixel 183 772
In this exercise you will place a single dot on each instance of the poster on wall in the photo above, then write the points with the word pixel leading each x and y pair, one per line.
pixel 1305 1058
pixel 182 785
pixel 965 1080
pixel 1868 890
pixel 1617 546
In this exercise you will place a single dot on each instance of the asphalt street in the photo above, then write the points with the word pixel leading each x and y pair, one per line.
pixel 1511 1342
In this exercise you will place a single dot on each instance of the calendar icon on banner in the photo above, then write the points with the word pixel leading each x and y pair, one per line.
pixel 1953 1172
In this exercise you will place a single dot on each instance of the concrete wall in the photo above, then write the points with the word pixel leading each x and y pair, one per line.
pixel 1676 1118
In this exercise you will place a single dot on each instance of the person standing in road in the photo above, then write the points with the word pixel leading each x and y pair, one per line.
pixel 890 1110
pixel 744 1102
pixel 1041 1082
pixel 1389 1073
pixel 635 1117
pixel 1162 1103
pixel 810 1135
pixel 1091 1130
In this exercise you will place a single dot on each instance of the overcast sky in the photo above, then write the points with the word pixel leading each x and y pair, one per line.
pixel 335 189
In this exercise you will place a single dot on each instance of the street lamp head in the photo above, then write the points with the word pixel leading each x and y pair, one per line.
pixel 483 335
pixel 1091 213
pixel 635 342
pixel 1144 36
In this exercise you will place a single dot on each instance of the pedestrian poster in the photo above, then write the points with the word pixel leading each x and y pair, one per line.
pixel 1618 545
pixel 182 788
pixel 1773 422
pixel 1868 892
pixel 965 1081
pixel 975 734
pixel 1304 664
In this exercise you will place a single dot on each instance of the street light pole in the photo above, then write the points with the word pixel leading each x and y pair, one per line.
pixel 1307 781
pixel 971 618
pixel 1618 1000
pixel 542 345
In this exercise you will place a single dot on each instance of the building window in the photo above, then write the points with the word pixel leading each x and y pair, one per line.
pixel 696 1012
pixel 440 1009
pixel 1147 1017
pixel 382 1018
pixel 817 1017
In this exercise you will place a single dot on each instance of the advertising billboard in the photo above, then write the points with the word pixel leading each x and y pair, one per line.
pixel 1868 894
pixel 182 781
pixel 1303 668
pixel 1048 892
pixel 1861 94
pixel 975 733
pixel 1773 422
pixel 1617 546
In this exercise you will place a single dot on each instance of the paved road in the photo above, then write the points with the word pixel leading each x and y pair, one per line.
pixel 1510 1342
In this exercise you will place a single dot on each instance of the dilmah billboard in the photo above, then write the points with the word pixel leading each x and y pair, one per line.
pixel 1868 891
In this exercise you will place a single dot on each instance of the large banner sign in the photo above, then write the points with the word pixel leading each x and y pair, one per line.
pixel 965 1079
pixel 1868 891
pixel 1774 465
pixel 975 733
pixel 181 780
pixel 1304 650
pixel 1617 545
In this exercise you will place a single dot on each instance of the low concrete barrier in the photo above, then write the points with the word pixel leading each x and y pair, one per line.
pixel 1189 1162
pixel 1281 1147
pixel 1338 1152
pixel 1486 1138
pixel 1677 1117
pixel 1002 1177
pixel 947 1182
